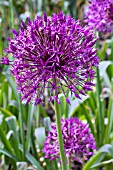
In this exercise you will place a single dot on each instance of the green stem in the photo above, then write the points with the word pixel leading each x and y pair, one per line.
pixel 44 4
pixel 99 106
pixel 69 163
pixel 12 14
pixel 31 8
pixel 29 127
pixel 38 116
pixel 5 26
pixel 60 138
pixel 63 5
pixel 1 43
pixel 112 68
pixel 22 129
pixel 36 3
pixel 73 10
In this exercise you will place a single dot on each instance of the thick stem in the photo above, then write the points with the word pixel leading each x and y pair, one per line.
pixel 60 138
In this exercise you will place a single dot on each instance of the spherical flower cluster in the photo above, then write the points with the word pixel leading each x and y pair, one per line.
pixel 79 144
pixel 54 53
pixel 100 15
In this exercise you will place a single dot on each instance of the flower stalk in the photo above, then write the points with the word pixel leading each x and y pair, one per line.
pixel 60 138
pixel 69 163
pixel 99 105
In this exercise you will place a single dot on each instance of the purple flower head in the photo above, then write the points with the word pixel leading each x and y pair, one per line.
pixel 79 143
pixel 55 53
pixel 100 15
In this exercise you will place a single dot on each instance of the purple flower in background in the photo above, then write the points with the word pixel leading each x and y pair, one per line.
pixel 100 15
pixel 79 143
pixel 56 53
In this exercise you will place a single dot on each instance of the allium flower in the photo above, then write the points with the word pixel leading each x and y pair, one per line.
pixel 55 53
pixel 78 142
pixel 100 15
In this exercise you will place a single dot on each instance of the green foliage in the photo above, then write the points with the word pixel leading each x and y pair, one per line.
pixel 22 128
pixel 104 154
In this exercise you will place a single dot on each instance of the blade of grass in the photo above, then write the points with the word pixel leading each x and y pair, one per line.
pixel 91 161
pixel 40 136
pixel 11 121
pixel 1 42
pixel 102 164
pixel 5 152
pixel 5 141
pixel 31 159
pixel 110 121
pixel 98 87
pixel 6 112
pixel 21 120
pixel 89 119
pixel 11 14
pixel 29 126
pixel 73 9
pixel 33 145
pixel 4 25
pixel 30 3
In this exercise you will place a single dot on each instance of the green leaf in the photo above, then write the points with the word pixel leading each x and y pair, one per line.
pixel 64 106
pixel 21 165
pixel 6 112
pixel 89 119
pixel 13 103
pixel 13 86
pixel 109 126
pixel 40 136
pixel 107 148
pixel 109 71
pixel 102 69
pixel 47 123
pixel 21 120
pixel 5 152
pixel 29 125
pixel 92 160
pixel 6 142
pixel 102 51
pixel 11 121
pixel 31 159
pixel 102 164
pixel 73 10
pixel 75 104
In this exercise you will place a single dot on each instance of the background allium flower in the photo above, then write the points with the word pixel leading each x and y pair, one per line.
pixel 78 142
pixel 100 15
pixel 52 52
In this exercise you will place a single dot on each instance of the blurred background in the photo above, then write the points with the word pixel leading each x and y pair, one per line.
pixel 22 128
